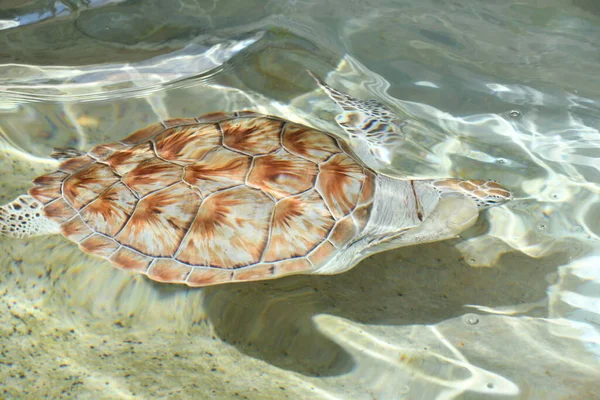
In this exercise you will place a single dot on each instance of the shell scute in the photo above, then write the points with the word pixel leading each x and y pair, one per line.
pixel 160 220
pixel 293 266
pixel 169 123
pixel 59 210
pixel 73 164
pixel 130 260
pixel 252 136
pixel 102 151
pixel 99 245
pixel 209 276
pixel 322 254
pixel 343 232
pixel 76 230
pixel 187 144
pixel 168 270
pixel 340 182
pixel 299 224
pixel 254 273
pixel 282 174
pixel 152 175
pixel 230 229
pixel 109 212
pixel 123 161
pixel 86 184
pixel 220 169
pixel 308 143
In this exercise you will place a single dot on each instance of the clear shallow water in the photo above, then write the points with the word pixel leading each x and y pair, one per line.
pixel 502 91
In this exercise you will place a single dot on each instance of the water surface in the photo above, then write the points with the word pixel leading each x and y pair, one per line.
pixel 492 90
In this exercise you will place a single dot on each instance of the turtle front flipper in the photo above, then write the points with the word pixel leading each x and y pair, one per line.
pixel 367 121
pixel 23 217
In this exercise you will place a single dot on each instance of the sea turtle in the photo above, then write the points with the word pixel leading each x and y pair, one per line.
pixel 241 196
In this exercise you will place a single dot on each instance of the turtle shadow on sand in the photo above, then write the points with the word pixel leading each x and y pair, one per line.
pixel 426 284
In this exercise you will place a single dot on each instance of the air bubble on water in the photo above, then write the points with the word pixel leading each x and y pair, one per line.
pixel 542 227
pixel 471 319
pixel 515 113
pixel 501 161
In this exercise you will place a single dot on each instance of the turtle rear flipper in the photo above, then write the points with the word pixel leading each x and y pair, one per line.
pixel 23 217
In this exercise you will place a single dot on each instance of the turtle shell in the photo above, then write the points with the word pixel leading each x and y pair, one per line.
pixel 220 198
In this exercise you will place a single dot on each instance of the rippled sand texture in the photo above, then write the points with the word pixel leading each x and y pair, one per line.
pixel 507 91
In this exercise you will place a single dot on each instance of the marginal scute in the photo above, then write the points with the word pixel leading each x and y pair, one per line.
pixel 168 270
pixel 143 134
pixel 59 211
pixel 85 185
pixel 73 164
pixel 343 232
pixel 293 266
pixel 152 175
pixel 368 189
pixel 75 230
pixel 208 276
pixel 169 123
pixel 340 181
pixel 48 187
pixel 99 245
pixel 214 117
pixel 252 135
pixel 103 151
pixel 254 273
pixel 109 212
pixel 322 254
pixel 361 215
pixel 187 144
pixel 308 143
pixel 299 224
pixel 160 221
pixel 230 229
pixel 220 169
pixel 282 174
pixel 130 260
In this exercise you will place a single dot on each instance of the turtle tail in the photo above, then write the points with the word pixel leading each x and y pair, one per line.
pixel 24 217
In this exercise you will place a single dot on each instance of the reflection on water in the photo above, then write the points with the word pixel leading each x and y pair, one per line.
pixel 506 92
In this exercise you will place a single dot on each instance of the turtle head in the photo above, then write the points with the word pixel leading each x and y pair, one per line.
pixel 486 194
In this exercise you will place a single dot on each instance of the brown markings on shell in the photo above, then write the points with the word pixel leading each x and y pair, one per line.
pixel 214 117
pixel 308 143
pixel 59 211
pixel 131 260
pixel 368 189
pixel 361 215
pixel 124 161
pixel 160 221
pixel 220 169
pixel 322 254
pixel 254 273
pixel 143 134
pixel 85 185
pixel 47 187
pixel 293 266
pixel 230 229
pixel 99 245
pixel 102 151
pixel 252 135
pixel 169 123
pixel 187 144
pixel 299 224
pixel 152 175
pixel 208 276
pixel 73 164
pixel 109 212
pixel 75 230
pixel 168 270
pixel 282 174
pixel 340 181
pixel 344 231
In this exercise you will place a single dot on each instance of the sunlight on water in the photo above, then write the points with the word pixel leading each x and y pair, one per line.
pixel 509 92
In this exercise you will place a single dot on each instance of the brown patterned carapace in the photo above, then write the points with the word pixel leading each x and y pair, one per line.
pixel 220 198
